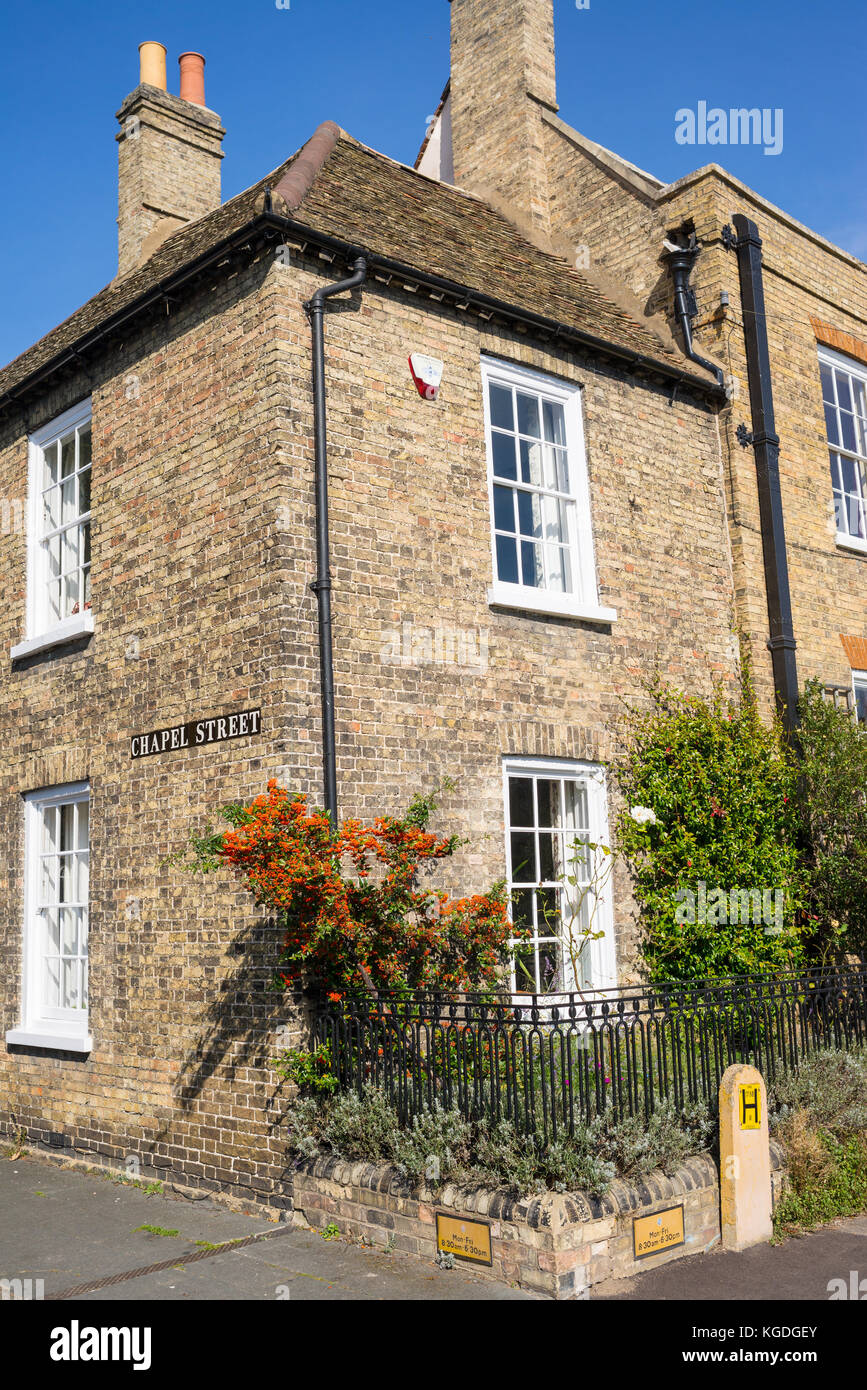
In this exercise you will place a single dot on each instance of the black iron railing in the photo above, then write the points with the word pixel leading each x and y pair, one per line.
pixel 549 1063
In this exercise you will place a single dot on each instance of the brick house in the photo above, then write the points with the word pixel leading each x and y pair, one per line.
pixel 507 562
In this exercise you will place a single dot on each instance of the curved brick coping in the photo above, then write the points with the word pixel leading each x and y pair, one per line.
pixel 540 1211
pixel 556 1244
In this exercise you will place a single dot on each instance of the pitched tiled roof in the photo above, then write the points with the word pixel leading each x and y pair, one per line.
pixel 340 189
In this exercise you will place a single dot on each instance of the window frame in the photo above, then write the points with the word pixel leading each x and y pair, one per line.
pixel 40 633
pixel 859 678
pixel 602 967
pixel 853 367
pixel 42 1025
pixel 584 601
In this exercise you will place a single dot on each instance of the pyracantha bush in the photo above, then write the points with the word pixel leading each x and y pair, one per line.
pixel 357 916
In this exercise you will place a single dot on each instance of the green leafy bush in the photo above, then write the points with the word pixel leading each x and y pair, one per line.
pixel 834 822
pixel 820 1115
pixel 309 1070
pixel 831 1087
pixel 710 794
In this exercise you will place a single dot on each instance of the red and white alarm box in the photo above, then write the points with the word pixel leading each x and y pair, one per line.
pixel 427 373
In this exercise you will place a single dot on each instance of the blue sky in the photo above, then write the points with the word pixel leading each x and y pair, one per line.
pixel 377 67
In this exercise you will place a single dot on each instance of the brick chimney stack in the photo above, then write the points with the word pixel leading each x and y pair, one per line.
pixel 168 156
pixel 503 76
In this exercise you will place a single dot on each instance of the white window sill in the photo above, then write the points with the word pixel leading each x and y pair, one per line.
pixel 58 1042
pixel 67 631
pixel 531 600
pixel 855 543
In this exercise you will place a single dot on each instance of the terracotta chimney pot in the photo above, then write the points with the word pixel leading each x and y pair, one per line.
pixel 192 78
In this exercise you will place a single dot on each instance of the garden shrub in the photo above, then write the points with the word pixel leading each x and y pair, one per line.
pixel 709 798
pixel 440 1145
pixel 834 822
pixel 819 1113
pixel 356 915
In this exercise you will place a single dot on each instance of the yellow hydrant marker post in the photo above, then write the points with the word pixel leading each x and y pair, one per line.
pixel 745 1159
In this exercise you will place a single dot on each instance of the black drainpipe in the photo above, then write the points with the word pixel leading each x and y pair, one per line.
pixel 681 260
pixel 315 310
pixel 766 447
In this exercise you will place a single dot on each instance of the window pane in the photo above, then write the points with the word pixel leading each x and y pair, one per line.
pixel 550 967
pixel 69 931
pixel 861 701
pixel 50 509
pixel 503 448
pixel 69 550
pixel 525 970
pixel 48 879
pixel 49 830
pixel 524 858
pixel 502 413
pixel 71 595
pixel 531 463
pixel 49 469
pixel 528 415
pixel 52 982
pixel 84 447
pixel 71 998
pixel 550 858
pixel 81 885
pixel 831 425
pixel 827 383
pixel 507 560
pixel 83 823
pixel 53 601
pixel 530 513
pixel 549 467
pixel 847 467
pixel 67 827
pixel 504 509
pixel 844 394
pixel 51 920
pixel 67 456
pixel 578 863
pixel 549 802
pixel 576 809
pixel 53 549
pixel 554 422
pixel 554 512
pixel 548 919
pixel 847 430
pixel 522 907
pixel 531 564
pixel 84 492
pixel 520 801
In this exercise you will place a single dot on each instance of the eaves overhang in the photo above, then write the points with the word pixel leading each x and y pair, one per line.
pixel 270 224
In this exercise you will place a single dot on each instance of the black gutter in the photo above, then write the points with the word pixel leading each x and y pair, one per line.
pixel 766 448
pixel 681 260
pixel 163 291
pixel 321 586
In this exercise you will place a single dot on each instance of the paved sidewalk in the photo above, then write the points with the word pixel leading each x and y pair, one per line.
pixel 70 1227
pixel 799 1270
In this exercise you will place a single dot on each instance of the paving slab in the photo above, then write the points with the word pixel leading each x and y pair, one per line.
pixel 800 1269
pixel 70 1227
